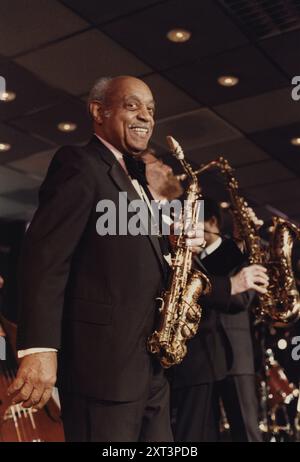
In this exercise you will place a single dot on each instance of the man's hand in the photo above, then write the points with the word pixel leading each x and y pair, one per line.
pixel 195 237
pixel 35 380
pixel 251 277
pixel 1 282
pixel 195 240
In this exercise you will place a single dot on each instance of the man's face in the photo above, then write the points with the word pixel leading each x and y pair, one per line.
pixel 211 230
pixel 127 119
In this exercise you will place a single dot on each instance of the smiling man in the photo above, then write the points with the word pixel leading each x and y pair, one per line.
pixel 88 299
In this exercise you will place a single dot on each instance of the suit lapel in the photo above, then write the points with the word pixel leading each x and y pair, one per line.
pixel 123 183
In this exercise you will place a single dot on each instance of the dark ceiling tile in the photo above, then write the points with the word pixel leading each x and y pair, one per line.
pixel 75 63
pixel 22 144
pixel 260 19
pixel 31 93
pixel 276 142
pixel 169 99
pixel 10 181
pixel 194 129
pixel 96 14
pixel 264 172
pixel 44 123
pixel 144 33
pixel 290 207
pixel 36 164
pixel 238 152
pixel 12 210
pixel 284 50
pixel 200 79
pixel 25 25
pixel 288 190
pixel 24 196
pixel 265 111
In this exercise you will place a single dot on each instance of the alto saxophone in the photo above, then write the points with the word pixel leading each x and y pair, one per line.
pixel 281 303
pixel 180 311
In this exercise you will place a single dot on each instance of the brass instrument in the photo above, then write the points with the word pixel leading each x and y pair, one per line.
pixel 180 312
pixel 281 303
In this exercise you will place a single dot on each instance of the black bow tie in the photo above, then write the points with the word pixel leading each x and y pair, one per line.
pixel 136 169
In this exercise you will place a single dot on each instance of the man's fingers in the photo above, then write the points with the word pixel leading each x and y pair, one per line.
pixel 259 267
pixel 23 394
pixel 195 242
pixel 260 280
pixel 44 398
pixel 16 385
pixel 196 249
pixel 34 397
pixel 260 289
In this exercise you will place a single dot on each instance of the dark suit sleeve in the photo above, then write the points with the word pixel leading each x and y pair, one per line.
pixel 66 199
pixel 220 295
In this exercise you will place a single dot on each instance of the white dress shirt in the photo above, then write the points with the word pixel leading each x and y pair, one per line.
pixel 210 248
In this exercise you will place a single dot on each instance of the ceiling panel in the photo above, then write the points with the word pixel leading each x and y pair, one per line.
pixel 31 93
pixel 60 66
pixel 290 208
pixel 276 142
pixel 22 145
pixel 264 111
pixel 96 14
pixel 144 33
pixel 200 78
pixel 24 196
pixel 284 50
pixel 37 164
pixel 10 180
pixel 268 171
pixel 288 190
pixel 14 210
pixel 194 129
pixel 170 99
pixel 238 152
pixel 44 123
pixel 27 24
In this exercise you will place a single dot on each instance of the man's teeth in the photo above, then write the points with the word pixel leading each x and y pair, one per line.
pixel 139 130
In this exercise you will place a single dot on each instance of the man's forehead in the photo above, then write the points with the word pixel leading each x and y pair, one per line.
pixel 132 88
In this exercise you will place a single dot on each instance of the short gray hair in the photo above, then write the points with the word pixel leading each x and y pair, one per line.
pixel 99 91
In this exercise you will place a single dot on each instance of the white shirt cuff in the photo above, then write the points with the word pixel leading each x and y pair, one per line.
pixel 30 351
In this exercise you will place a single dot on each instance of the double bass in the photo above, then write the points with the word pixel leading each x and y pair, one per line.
pixel 18 424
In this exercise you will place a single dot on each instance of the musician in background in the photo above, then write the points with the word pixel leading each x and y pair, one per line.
pixel 162 182
pixel 222 352
pixel 219 362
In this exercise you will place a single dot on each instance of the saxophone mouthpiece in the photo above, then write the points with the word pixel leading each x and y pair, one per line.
pixel 175 147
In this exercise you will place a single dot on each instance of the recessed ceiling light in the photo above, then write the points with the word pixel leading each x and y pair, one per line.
pixel 179 35
pixel 228 80
pixel 295 141
pixel 224 205
pixel 67 126
pixel 7 96
pixel 4 147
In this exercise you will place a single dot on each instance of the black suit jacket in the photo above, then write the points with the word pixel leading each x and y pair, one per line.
pixel 223 343
pixel 92 297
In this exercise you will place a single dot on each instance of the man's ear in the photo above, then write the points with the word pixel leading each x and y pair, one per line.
pixel 96 111
pixel 214 221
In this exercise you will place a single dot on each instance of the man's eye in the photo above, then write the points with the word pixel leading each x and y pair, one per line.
pixel 131 105
pixel 151 110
